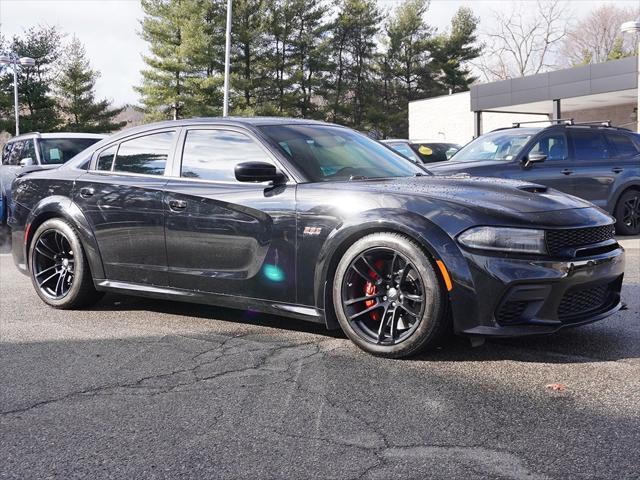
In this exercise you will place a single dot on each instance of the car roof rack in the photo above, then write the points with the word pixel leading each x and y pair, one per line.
pixel 566 121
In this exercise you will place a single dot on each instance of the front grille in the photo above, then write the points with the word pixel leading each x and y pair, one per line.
pixel 511 311
pixel 558 240
pixel 581 301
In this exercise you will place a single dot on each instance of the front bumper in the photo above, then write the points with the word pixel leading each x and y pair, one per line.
pixel 518 296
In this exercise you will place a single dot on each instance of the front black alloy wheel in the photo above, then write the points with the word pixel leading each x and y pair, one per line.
pixel 59 269
pixel 387 296
pixel 628 213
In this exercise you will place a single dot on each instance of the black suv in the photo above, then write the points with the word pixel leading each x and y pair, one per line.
pixel 596 162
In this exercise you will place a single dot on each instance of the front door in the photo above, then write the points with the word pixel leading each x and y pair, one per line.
pixel 558 169
pixel 222 235
pixel 122 198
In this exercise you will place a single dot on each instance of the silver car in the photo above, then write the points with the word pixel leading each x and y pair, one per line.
pixel 38 149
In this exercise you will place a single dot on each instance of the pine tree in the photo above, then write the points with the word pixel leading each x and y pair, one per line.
pixel 75 87
pixel 353 47
pixel 453 51
pixel 38 108
pixel 163 90
pixel 409 41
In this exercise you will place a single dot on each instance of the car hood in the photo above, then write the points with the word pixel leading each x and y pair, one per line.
pixel 514 196
pixel 449 167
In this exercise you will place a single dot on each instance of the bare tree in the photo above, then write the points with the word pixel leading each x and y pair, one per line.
pixel 597 37
pixel 525 40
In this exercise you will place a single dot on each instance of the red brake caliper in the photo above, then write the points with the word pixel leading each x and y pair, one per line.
pixel 371 289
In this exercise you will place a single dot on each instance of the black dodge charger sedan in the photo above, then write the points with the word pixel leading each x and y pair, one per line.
pixel 314 221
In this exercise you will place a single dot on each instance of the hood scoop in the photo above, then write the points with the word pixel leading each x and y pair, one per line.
pixel 533 188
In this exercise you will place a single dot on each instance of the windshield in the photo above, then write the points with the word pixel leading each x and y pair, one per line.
pixel 435 152
pixel 59 150
pixel 502 145
pixel 327 153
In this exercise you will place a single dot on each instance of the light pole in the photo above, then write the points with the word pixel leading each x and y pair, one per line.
pixel 227 62
pixel 633 26
pixel 15 63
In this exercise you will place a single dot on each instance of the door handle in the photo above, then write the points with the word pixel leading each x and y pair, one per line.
pixel 567 171
pixel 87 192
pixel 617 169
pixel 177 205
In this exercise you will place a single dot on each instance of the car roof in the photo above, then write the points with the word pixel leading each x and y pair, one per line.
pixel 57 135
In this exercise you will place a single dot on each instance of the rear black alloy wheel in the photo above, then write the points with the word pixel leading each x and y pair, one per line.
pixel 387 296
pixel 53 264
pixel 59 268
pixel 628 213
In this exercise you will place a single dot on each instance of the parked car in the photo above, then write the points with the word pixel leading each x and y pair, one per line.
pixel 427 151
pixel 596 162
pixel 317 222
pixel 51 149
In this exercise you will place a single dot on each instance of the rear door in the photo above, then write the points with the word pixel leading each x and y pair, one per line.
pixel 225 236
pixel 122 197
pixel 592 175
pixel 558 168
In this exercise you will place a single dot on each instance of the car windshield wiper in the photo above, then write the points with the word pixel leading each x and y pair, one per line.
pixel 357 177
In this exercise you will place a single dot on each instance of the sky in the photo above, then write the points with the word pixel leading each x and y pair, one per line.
pixel 109 30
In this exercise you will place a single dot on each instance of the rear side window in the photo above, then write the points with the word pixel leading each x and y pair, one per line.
pixel 147 155
pixel 404 149
pixel 623 146
pixel 16 153
pixel 6 153
pixel 105 159
pixel 213 154
pixel 554 146
pixel 589 145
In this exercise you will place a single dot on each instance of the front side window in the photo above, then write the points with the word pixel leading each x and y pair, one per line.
pixel 145 155
pixel 327 153
pixel 502 145
pixel 623 145
pixel 213 154
pixel 589 145
pixel 56 151
pixel 105 159
pixel 29 152
pixel 554 147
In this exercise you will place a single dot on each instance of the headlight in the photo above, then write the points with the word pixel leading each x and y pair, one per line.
pixel 522 240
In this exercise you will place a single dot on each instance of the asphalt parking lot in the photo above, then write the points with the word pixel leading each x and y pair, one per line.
pixel 136 388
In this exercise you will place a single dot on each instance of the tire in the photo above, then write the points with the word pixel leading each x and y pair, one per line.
pixel 410 297
pixel 627 213
pixel 58 267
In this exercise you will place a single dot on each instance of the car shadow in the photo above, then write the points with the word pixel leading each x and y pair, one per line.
pixel 609 340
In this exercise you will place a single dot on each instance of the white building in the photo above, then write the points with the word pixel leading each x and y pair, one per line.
pixel 605 91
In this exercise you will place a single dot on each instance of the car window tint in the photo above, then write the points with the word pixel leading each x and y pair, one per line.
pixel 589 145
pixel 405 150
pixel 553 146
pixel 105 159
pixel 29 151
pixel 623 145
pixel 16 153
pixel 213 154
pixel 6 153
pixel 147 155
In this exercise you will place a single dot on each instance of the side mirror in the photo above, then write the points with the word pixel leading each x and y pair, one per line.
pixel 533 158
pixel 257 172
pixel 26 162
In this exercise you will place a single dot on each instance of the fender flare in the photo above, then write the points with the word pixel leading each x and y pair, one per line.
pixel 63 207
pixel 438 244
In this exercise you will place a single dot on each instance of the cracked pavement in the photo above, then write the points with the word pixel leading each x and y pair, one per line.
pixel 137 388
